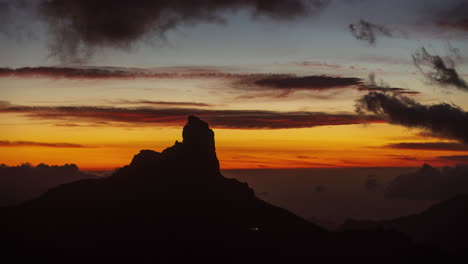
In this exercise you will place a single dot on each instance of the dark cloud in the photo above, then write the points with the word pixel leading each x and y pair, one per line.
pixel 445 120
pixel 373 86
pixel 79 26
pixel 440 72
pixel 443 146
pixel 4 143
pixel 25 182
pixel 237 119
pixel 456 158
pixel 288 83
pixel 429 183
pixel 454 18
pixel 368 32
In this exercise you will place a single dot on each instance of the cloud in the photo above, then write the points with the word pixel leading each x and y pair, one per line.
pixel 115 73
pixel 368 32
pixel 288 83
pixel 25 182
pixel 440 72
pixel 80 26
pixel 445 120
pixel 429 183
pixel 280 84
pixel 4 143
pixel 372 86
pixel 236 119
pixel 442 146
pixel 284 83
pixel 456 158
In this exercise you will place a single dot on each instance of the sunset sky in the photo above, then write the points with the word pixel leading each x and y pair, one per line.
pixel 278 81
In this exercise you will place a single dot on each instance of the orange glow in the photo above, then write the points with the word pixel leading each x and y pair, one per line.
pixel 106 148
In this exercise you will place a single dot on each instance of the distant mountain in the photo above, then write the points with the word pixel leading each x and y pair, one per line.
pixel 25 182
pixel 444 225
pixel 176 207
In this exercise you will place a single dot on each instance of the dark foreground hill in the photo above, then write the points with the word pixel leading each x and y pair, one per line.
pixel 176 207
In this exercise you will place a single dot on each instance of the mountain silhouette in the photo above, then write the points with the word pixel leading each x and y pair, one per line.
pixel 444 225
pixel 175 206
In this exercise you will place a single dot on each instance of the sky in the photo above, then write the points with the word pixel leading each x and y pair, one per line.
pixel 284 84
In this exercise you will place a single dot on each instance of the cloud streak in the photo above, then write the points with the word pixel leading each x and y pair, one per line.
pixel 285 84
pixel 114 73
pixel 234 119
pixel 440 72
pixel 445 120
pixel 4 143
pixel 442 146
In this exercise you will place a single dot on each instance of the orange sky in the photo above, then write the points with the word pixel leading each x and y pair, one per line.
pixel 109 147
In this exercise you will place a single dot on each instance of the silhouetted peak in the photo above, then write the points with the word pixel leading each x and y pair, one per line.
pixel 197 135
pixel 194 156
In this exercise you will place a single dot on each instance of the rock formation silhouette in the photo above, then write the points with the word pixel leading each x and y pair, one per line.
pixel 175 206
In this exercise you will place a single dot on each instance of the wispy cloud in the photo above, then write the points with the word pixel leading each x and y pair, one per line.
pixel 368 32
pixel 440 72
